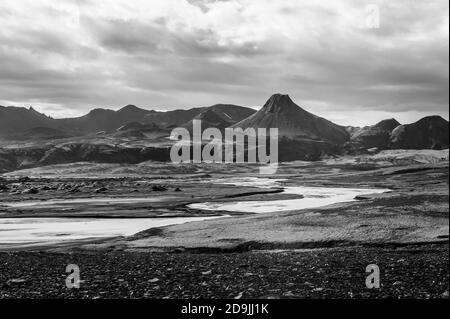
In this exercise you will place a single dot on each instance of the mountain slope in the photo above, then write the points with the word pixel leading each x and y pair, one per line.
pixel 19 119
pixel 431 132
pixel 219 113
pixel 174 118
pixel 220 116
pixel 377 135
pixel 105 120
pixel 293 122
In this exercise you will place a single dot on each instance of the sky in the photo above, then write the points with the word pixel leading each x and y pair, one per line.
pixel 354 62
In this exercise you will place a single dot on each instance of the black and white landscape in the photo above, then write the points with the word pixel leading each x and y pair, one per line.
pixel 358 92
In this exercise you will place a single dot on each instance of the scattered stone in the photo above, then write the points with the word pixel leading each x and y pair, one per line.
pixel 239 296
pixel 75 190
pixel 159 188
pixel 101 190
pixel 16 281
pixel 288 294
pixel 178 189
pixel 30 191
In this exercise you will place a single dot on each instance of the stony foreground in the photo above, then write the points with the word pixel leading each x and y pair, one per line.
pixel 311 253
pixel 329 273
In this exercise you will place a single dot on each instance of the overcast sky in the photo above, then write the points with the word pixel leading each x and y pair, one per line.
pixel 333 58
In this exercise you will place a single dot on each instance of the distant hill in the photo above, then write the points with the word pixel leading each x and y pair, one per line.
pixel 220 116
pixel 431 132
pixel 377 135
pixel 17 122
pixel 171 119
pixel 105 120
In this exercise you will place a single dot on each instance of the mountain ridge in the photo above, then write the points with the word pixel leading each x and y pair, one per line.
pixel 303 135
pixel 15 121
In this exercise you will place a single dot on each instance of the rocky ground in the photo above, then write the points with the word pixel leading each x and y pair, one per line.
pixel 315 253
pixel 405 272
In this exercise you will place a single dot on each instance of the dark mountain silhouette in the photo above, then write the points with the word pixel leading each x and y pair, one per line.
pixel 293 122
pixel 17 122
pixel 105 120
pixel 377 135
pixel 431 132
pixel 19 119
pixel 303 135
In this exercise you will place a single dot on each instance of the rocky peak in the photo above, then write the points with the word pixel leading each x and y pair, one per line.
pixel 279 103
pixel 388 125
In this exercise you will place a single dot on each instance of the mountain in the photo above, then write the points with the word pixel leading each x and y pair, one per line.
pixel 19 119
pixel 133 134
pixel 20 122
pixel 134 112
pixel 16 122
pixel 295 123
pixel 431 132
pixel 377 135
pixel 171 119
pixel 105 120
pixel 232 113
pixel 220 116
pixel 302 135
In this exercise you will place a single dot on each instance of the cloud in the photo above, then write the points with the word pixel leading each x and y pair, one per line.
pixel 77 54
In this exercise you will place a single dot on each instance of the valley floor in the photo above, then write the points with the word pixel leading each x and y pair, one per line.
pixel 310 253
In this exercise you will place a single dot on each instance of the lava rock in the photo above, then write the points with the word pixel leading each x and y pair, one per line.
pixel 101 190
pixel 159 188
pixel 30 191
